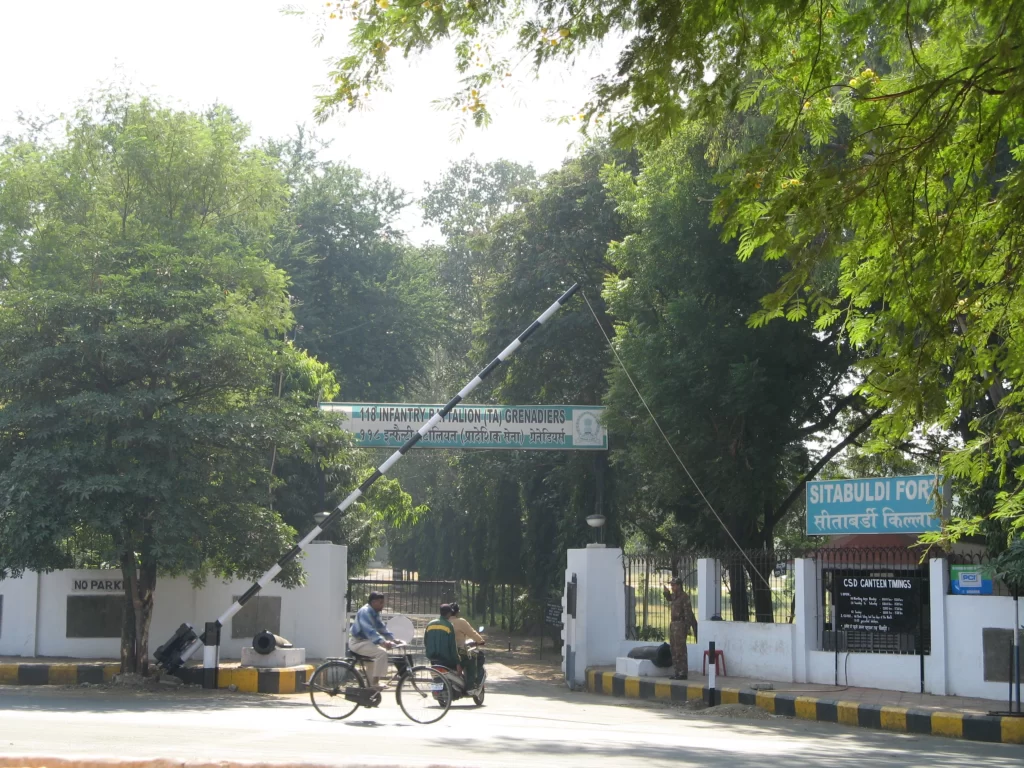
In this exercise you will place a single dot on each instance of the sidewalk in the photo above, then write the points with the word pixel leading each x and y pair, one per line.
pixel 921 713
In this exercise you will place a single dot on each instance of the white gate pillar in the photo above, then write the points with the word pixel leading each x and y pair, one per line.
pixel 709 588
pixel 935 662
pixel 593 637
pixel 806 620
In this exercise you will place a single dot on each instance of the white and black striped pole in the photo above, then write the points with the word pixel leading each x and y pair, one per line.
pixel 210 653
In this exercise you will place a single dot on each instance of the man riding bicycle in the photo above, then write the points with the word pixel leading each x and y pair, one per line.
pixel 369 637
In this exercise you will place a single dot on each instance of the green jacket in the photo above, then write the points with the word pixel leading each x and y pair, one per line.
pixel 439 643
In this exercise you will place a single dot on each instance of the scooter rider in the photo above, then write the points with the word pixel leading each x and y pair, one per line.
pixel 463 632
pixel 439 641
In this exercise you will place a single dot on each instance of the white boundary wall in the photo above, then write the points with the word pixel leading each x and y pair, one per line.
pixel 313 616
pixel 788 652
pixel 969 614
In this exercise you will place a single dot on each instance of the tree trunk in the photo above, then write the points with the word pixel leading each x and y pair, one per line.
pixel 492 601
pixel 147 583
pixel 738 591
pixel 128 615
pixel 139 583
pixel 763 609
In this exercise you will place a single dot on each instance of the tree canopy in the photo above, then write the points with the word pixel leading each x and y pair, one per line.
pixel 506 516
pixel 142 331
pixel 740 405
pixel 365 305
pixel 887 184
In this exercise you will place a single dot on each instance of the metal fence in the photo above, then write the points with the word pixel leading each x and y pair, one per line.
pixel 646 576
pixel 496 605
pixel 756 585
pixel 873 600
pixel 406 597
pixel 981 565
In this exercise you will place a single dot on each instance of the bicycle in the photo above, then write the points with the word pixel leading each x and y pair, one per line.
pixel 339 687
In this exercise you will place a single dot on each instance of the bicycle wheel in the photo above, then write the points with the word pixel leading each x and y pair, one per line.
pixel 424 694
pixel 327 689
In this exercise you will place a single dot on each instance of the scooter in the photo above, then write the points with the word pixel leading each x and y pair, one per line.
pixel 458 682
pixel 478 692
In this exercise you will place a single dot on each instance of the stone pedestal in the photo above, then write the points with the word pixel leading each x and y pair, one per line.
pixel 640 668
pixel 279 657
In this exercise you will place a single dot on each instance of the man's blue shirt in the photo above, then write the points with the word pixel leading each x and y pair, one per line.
pixel 368 626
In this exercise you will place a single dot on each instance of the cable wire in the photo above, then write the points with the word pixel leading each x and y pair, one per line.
pixel 669 443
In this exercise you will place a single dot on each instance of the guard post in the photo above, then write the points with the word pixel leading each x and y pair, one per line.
pixel 712 669
pixel 211 654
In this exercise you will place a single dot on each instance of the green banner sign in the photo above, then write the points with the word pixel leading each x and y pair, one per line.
pixel 529 427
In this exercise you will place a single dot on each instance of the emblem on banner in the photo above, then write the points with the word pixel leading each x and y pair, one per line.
pixel 587 428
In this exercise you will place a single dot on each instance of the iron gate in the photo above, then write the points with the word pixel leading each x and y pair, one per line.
pixel 417 598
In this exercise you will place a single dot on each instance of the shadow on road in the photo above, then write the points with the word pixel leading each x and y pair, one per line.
pixel 589 728
pixel 110 699
pixel 834 751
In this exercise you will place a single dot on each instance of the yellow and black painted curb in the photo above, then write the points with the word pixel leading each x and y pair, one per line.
pixel 56 674
pixel 247 679
pixel 253 679
pixel 992 728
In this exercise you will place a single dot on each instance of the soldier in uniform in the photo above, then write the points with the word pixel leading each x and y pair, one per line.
pixel 682 620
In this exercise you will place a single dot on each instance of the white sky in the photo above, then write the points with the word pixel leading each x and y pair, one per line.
pixel 247 55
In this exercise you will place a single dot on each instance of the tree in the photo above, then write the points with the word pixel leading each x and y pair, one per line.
pixel 520 509
pixel 893 158
pixel 740 405
pixel 462 500
pixel 366 306
pixel 141 332
pixel 365 301
pixel 560 233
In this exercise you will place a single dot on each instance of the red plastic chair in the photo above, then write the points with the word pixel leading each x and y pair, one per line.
pixel 719 658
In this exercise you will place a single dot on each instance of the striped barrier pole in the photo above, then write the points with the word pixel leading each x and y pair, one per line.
pixel 174 660
pixel 712 669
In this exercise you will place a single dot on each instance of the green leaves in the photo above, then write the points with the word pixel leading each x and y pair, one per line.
pixel 738 402
pixel 142 330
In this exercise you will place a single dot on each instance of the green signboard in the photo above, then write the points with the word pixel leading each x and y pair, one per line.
pixel 530 427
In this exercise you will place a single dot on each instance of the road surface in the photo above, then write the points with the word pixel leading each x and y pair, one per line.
pixel 524 722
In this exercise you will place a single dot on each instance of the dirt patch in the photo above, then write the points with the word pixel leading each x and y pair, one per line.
pixel 743 711
pixel 524 654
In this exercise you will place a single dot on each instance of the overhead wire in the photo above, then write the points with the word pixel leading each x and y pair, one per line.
pixel 668 442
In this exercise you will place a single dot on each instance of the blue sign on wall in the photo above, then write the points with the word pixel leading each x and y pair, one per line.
pixel 875 505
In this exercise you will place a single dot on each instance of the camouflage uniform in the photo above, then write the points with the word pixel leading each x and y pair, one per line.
pixel 682 620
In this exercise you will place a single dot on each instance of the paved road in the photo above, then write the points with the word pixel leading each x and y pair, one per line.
pixel 524 720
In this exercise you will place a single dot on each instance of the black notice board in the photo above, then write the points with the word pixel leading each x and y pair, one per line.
pixel 94 615
pixel 868 603
pixel 553 614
